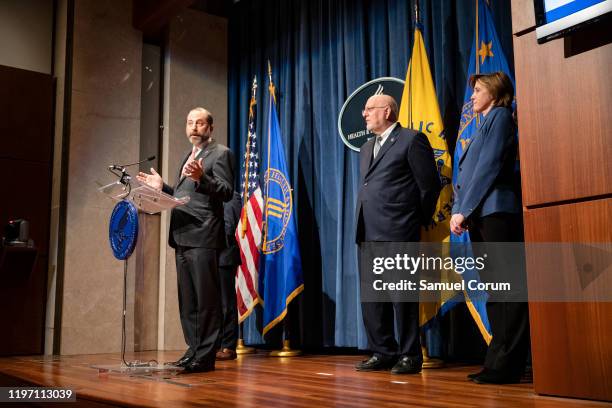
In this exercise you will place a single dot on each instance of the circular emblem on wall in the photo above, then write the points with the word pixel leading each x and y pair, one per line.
pixel 351 126
pixel 123 229
pixel 278 211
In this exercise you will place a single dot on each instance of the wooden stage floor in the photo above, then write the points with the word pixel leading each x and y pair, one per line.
pixel 258 380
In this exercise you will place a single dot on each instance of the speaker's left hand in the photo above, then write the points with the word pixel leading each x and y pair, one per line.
pixel 194 170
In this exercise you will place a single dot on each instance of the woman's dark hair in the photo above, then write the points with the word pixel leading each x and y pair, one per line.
pixel 499 86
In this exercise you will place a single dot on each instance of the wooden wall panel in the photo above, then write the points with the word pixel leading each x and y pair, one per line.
pixel 570 342
pixel 565 120
pixel 564 99
pixel 571 349
pixel 587 221
pixel 26 140
pixel 523 15
pixel 146 291
pixel 26 128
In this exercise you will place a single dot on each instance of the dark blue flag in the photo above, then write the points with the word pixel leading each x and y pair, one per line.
pixel 280 274
pixel 486 57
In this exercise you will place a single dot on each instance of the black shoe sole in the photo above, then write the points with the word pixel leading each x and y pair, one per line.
pixel 495 381
pixel 205 369
pixel 177 364
pixel 405 372
pixel 373 369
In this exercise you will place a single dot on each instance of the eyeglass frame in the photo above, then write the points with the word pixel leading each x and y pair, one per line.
pixel 369 109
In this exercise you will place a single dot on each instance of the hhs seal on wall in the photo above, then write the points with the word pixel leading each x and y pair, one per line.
pixel 351 125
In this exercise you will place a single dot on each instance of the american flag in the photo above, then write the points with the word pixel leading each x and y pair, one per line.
pixel 248 232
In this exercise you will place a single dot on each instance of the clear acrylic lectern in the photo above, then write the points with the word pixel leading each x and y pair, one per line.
pixel 150 201
pixel 145 198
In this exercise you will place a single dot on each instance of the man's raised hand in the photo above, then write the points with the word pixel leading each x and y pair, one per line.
pixel 153 180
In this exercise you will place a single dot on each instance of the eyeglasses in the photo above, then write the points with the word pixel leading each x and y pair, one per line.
pixel 371 108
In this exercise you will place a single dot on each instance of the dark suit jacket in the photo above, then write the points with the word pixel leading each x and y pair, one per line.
pixel 398 190
pixel 486 177
pixel 230 256
pixel 199 223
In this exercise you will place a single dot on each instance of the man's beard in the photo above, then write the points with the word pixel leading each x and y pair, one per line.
pixel 198 140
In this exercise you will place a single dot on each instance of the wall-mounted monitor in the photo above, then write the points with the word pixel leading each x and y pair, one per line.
pixel 555 18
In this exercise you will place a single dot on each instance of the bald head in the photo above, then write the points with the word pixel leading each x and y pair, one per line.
pixel 384 100
pixel 380 112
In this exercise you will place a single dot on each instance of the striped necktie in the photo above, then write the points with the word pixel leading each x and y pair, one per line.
pixel 190 159
pixel 377 145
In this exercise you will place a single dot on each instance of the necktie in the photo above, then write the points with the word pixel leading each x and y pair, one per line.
pixel 190 159
pixel 377 145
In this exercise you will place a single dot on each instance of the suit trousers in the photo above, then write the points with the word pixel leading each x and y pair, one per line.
pixel 382 318
pixel 229 327
pixel 199 300
pixel 507 352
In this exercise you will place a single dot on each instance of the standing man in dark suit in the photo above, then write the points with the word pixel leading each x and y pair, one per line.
pixel 399 188
pixel 197 234
pixel 228 264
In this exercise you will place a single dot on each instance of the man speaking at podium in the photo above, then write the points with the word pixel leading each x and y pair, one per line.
pixel 197 234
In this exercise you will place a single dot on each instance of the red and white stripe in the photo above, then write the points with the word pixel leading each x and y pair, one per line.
pixel 247 274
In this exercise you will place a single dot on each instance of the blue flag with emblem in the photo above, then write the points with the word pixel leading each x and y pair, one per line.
pixel 280 274
pixel 486 56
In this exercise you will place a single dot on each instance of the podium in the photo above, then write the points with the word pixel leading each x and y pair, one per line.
pixel 133 196
pixel 145 198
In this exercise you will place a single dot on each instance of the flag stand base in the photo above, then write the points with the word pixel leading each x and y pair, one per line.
pixel 429 362
pixel 286 351
pixel 242 349
pixel 432 363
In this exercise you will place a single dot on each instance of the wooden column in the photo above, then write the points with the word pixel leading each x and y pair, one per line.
pixel 564 98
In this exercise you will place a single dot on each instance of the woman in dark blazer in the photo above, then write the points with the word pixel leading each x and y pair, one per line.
pixel 488 207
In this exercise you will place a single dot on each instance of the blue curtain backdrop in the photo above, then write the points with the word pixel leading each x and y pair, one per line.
pixel 320 52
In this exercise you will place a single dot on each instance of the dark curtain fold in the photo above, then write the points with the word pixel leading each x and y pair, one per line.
pixel 320 52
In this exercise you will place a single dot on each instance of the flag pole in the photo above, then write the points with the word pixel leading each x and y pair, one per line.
pixel 271 89
pixel 241 348
pixel 476 35
pixel 286 351
pixel 245 187
pixel 428 362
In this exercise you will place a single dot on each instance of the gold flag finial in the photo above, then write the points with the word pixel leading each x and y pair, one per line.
pixel 270 71
pixel 271 87
pixel 253 96
pixel 245 187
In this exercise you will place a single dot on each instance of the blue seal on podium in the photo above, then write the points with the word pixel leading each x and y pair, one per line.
pixel 123 229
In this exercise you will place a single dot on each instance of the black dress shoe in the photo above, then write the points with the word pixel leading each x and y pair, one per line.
pixel 200 366
pixel 406 365
pixel 181 362
pixel 474 375
pixel 226 354
pixel 491 377
pixel 375 363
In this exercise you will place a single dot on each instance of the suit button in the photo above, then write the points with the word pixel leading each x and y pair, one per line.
pixel 458 187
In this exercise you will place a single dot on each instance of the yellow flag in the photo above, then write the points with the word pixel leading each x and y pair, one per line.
pixel 419 110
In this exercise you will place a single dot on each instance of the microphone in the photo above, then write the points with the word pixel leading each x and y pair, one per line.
pixel 122 167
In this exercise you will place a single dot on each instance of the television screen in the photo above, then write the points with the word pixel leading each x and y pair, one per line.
pixel 555 18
